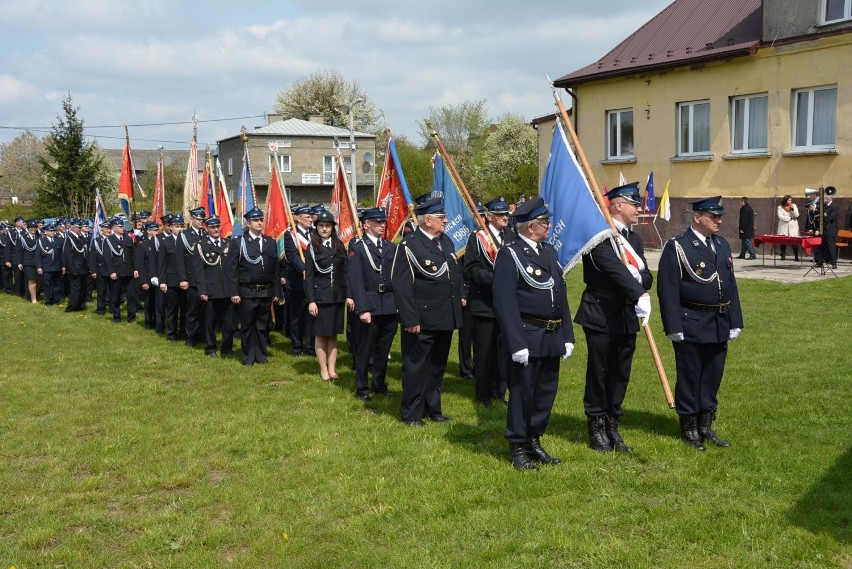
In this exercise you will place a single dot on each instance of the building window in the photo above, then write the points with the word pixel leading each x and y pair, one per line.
pixel 283 163
pixel 329 164
pixel 619 134
pixel 814 117
pixel 693 128
pixel 230 166
pixel 836 10
pixel 749 123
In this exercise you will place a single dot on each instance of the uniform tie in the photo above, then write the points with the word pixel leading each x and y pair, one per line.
pixel 625 232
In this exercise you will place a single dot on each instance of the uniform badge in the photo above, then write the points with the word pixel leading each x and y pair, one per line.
pixel 695 243
pixel 225 251
pixel 529 269
pixel 701 264
pixel 699 271
pixel 427 262
pixel 538 272
pixel 434 269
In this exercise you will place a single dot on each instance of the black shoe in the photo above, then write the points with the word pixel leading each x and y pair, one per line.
pixel 227 352
pixel 538 454
pixel 190 344
pixel 753 257
pixel 439 418
pixel 598 440
pixel 484 402
pixel 519 458
pixel 467 377
pixel 740 256
pixel 416 423
pixel 100 312
pixel 116 320
pixel 383 390
pixel 705 429
pixel 614 436
pixel 363 397
pixel 213 355
pixel 131 320
pixel 689 431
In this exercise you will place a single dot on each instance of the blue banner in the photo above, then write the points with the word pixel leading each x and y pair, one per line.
pixel 460 222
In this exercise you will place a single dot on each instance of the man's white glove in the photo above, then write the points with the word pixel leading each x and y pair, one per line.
pixel 569 349
pixel 635 272
pixel 677 337
pixel 155 281
pixel 521 357
pixel 643 308
pixel 734 333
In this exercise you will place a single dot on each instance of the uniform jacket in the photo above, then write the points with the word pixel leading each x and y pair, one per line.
pixel 325 288
pixel 294 267
pixel 253 266
pixel 146 258
pixel 49 254
pixel 367 271
pixel 427 282
pixel 608 303
pixel 170 262
pixel 189 239
pixel 95 256
pixel 479 273
pixel 6 248
pixel 75 253
pixel 514 297
pixel 829 223
pixel 25 250
pixel 119 255
pixel 678 283
pixel 212 269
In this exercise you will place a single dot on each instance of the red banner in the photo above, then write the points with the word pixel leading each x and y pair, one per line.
pixel 275 222
pixel 125 181
pixel 391 196
pixel 341 205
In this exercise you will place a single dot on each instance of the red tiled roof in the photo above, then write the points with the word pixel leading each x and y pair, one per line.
pixel 687 31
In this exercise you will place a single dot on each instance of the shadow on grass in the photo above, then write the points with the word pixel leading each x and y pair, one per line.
pixel 826 507
pixel 662 424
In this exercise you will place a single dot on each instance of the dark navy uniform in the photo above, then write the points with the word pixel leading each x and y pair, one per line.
pixel 699 303
pixel 369 280
pixel 301 337
pixel 6 280
pixel 189 238
pixel 24 256
pixel 172 273
pixel 146 266
pixel 530 301
pixel 49 260
pixel 97 268
pixel 75 252
pixel 427 287
pixel 218 284
pixel 119 261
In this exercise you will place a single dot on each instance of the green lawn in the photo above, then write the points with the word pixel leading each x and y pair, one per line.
pixel 118 449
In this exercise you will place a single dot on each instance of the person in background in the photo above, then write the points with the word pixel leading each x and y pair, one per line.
pixel 746 230
pixel 788 223
pixel 829 228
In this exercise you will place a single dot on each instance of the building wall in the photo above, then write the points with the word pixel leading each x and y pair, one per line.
pixel 784 19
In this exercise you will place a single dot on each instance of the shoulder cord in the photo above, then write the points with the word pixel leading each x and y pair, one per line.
pixel 186 244
pixel 370 257
pixel 685 264
pixel 485 253
pixel 244 253
pixel 433 275
pixel 547 285
pixel 100 249
pixel 204 258
pixel 114 252
pixel 81 249
pixel 45 251
pixel 28 248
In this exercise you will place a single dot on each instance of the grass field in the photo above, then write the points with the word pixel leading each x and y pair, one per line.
pixel 118 449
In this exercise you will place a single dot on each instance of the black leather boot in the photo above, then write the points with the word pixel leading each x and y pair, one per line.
pixel 538 454
pixel 614 436
pixel 705 429
pixel 519 457
pixel 597 434
pixel 689 431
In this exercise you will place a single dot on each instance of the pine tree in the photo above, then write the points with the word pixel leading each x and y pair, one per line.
pixel 73 169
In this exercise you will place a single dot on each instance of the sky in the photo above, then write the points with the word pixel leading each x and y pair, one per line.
pixel 132 62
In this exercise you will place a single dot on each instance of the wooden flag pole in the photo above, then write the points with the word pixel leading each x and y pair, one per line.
pixel 132 189
pixel 340 163
pixel 658 362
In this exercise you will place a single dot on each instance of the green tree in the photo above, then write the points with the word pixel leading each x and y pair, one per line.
pixel 20 169
pixel 509 160
pixel 73 169
pixel 328 94
pixel 174 170
pixel 416 165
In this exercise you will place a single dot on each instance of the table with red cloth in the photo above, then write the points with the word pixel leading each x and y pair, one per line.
pixel 806 242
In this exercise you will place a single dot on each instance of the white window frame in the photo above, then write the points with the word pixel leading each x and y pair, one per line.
pixel 690 150
pixel 809 144
pixel 617 115
pixel 746 149
pixel 284 165
pixel 823 12
pixel 331 161
pixel 230 166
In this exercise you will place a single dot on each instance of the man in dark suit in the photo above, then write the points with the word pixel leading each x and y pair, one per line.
pixel 6 280
pixel 216 286
pixel 97 266
pixel 254 261
pixel 490 360
pixel 531 304
pixel 369 285
pixel 24 257
pixel 172 276
pixel 75 253
pixel 830 217
pixel 119 263
pixel 747 231
pixel 189 239
pixel 615 299
pixel 146 266
pixel 700 308
pixel 427 288
pixel 301 338
pixel 15 232
pixel 49 263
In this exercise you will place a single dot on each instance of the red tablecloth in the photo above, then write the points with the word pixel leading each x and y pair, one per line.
pixel 806 243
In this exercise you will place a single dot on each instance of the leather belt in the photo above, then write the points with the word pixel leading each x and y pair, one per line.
pixel 612 295
pixel 720 308
pixel 385 288
pixel 549 325
pixel 256 287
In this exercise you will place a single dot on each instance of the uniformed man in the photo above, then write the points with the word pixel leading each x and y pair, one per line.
pixel 189 239
pixel 119 265
pixel 532 309
pixel 615 298
pixel 6 279
pixel 301 336
pixel 701 313
pixel 97 266
pixel 490 359
pixel 216 286
pixel 15 232
pixel 427 287
pixel 369 284
pixel 25 258
pixel 146 265
pixel 75 253
pixel 172 275
pixel 465 340
pixel 254 260
pixel 49 265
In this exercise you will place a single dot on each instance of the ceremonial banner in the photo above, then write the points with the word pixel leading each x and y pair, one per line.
pixel 245 194
pixel 577 223
pixel 190 180
pixel 393 193
pixel 209 200
pixel 223 204
pixel 460 222
pixel 100 215
pixel 650 205
pixel 341 205
pixel 275 222
pixel 665 211
pixel 158 208
pixel 125 181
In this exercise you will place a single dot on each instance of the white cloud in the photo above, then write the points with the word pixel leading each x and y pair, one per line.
pixel 14 90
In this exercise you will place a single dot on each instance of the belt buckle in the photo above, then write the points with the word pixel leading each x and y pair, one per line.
pixel 724 308
pixel 551 326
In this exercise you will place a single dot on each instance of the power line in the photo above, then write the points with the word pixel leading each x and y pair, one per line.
pixel 48 128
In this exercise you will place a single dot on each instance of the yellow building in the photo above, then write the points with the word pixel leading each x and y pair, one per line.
pixel 730 97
